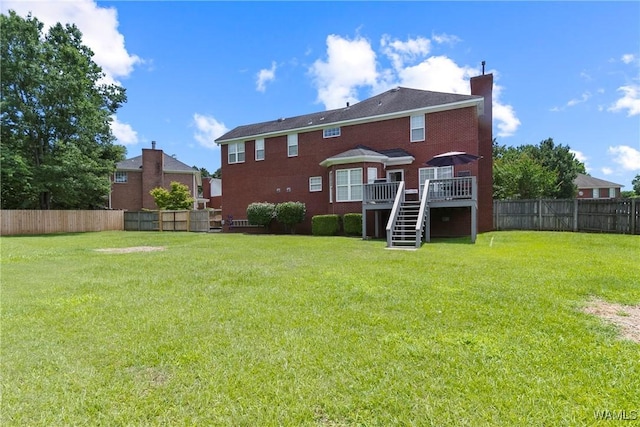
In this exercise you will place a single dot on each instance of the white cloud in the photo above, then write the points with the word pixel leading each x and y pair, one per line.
pixel 584 98
pixel 123 132
pixel 349 64
pixel 445 38
pixel 99 27
pixel 264 76
pixel 207 130
pixel 628 58
pixel 627 157
pixel 630 101
pixel 606 171
pixel 400 52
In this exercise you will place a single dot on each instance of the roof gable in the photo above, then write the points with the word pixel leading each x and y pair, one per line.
pixel 389 103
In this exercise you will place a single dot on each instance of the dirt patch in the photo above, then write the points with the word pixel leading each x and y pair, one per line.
pixel 626 317
pixel 132 249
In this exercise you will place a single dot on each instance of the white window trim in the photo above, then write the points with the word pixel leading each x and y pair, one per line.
pixel 315 184
pixel 422 126
pixel 329 132
pixel 236 152
pixel 259 143
pixel 292 141
pixel 596 193
pixel 372 175
pixel 349 185
pixel 437 174
pixel 612 193
pixel 121 174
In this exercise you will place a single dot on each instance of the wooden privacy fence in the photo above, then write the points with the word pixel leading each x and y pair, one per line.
pixel 606 216
pixel 167 221
pixel 63 221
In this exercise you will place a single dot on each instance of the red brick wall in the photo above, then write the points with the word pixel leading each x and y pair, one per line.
pixel 127 196
pixel 483 86
pixel 152 175
pixel 134 194
pixel 252 181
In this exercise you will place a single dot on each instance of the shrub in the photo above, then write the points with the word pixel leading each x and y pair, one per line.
pixel 290 214
pixel 352 224
pixel 175 199
pixel 325 225
pixel 261 213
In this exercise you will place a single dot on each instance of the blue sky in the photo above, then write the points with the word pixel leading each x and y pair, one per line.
pixel 193 70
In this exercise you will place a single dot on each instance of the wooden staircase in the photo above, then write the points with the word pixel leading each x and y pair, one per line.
pixel 403 233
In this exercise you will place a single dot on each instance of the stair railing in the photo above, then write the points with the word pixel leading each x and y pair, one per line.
pixel 420 222
pixel 399 200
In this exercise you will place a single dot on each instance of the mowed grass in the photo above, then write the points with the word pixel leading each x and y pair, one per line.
pixel 264 330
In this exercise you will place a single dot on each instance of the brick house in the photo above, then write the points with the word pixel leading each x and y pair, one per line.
pixel 370 157
pixel 595 188
pixel 134 178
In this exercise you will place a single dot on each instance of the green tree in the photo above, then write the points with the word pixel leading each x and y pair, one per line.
pixel 177 198
pixel 531 171
pixel 636 185
pixel 516 175
pixel 57 148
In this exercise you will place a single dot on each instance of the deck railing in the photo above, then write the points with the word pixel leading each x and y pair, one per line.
pixel 398 200
pixel 453 188
pixel 380 192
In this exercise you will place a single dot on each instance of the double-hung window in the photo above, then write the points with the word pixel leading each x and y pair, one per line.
pixel 120 177
pixel 417 128
pixel 331 132
pixel 236 152
pixel 349 185
pixel 260 149
pixel 292 145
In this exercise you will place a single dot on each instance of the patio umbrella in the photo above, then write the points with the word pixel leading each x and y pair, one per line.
pixel 452 158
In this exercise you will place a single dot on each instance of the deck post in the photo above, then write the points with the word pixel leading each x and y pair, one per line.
pixel 474 222
pixel 364 222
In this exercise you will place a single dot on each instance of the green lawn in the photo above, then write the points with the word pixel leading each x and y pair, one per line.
pixel 239 330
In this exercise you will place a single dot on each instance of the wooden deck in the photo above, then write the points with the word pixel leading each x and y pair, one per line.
pixel 440 193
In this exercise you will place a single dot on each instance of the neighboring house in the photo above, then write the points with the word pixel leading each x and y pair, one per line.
pixel 134 178
pixel 595 188
pixel 212 189
pixel 359 158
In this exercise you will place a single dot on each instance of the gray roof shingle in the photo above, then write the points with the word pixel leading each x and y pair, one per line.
pixel 170 164
pixel 586 181
pixel 392 101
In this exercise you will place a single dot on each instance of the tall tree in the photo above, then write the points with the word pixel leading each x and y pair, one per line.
pixel 531 171
pixel 636 184
pixel 57 148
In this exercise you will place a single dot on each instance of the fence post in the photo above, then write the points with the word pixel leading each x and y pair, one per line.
pixel 633 218
pixel 575 214
pixel 539 214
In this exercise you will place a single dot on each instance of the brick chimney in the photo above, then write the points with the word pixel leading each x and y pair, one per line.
pixel 483 86
pixel 152 174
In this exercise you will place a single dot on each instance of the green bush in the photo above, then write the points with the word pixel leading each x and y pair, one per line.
pixel 261 213
pixel 325 225
pixel 177 198
pixel 352 224
pixel 290 213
